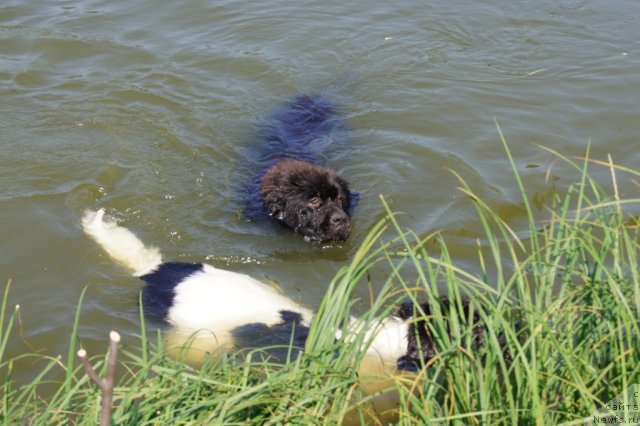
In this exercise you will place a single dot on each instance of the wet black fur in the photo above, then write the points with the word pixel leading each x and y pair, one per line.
pixel 422 344
pixel 280 342
pixel 308 198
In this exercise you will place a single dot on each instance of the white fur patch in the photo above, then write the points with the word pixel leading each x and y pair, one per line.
pixel 390 343
pixel 219 300
pixel 385 347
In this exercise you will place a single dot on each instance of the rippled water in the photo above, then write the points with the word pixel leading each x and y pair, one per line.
pixel 148 108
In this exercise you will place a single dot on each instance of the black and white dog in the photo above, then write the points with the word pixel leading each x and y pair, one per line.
pixel 240 311
pixel 237 309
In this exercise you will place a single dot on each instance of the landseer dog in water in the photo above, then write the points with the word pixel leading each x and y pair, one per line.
pixel 240 311
pixel 290 185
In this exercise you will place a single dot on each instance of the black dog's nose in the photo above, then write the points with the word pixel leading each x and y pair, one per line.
pixel 338 218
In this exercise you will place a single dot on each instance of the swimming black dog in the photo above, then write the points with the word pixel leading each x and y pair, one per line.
pixel 291 186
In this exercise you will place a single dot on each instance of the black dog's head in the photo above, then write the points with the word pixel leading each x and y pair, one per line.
pixel 308 198
pixel 421 343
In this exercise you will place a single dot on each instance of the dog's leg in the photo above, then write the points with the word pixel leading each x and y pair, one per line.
pixel 121 244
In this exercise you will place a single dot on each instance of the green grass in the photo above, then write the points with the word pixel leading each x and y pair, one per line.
pixel 563 294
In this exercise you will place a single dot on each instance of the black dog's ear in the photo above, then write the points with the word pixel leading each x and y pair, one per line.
pixel 345 193
pixel 406 310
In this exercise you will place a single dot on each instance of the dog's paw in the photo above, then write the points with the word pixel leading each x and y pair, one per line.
pixel 92 220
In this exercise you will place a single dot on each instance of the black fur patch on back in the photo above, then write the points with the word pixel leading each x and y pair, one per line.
pixel 158 294
pixel 274 339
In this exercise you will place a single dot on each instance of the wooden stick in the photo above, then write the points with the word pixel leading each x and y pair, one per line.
pixel 106 384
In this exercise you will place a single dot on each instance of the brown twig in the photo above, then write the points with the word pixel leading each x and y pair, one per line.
pixel 106 384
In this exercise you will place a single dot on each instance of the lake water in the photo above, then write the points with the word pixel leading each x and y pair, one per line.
pixel 148 108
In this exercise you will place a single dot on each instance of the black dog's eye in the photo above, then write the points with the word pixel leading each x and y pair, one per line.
pixel 339 199
pixel 314 202
pixel 304 213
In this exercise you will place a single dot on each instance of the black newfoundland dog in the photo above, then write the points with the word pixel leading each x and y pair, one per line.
pixel 291 185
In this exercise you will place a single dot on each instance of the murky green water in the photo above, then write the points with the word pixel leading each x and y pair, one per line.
pixel 146 108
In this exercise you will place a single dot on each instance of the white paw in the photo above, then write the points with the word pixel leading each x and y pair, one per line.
pixel 91 219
